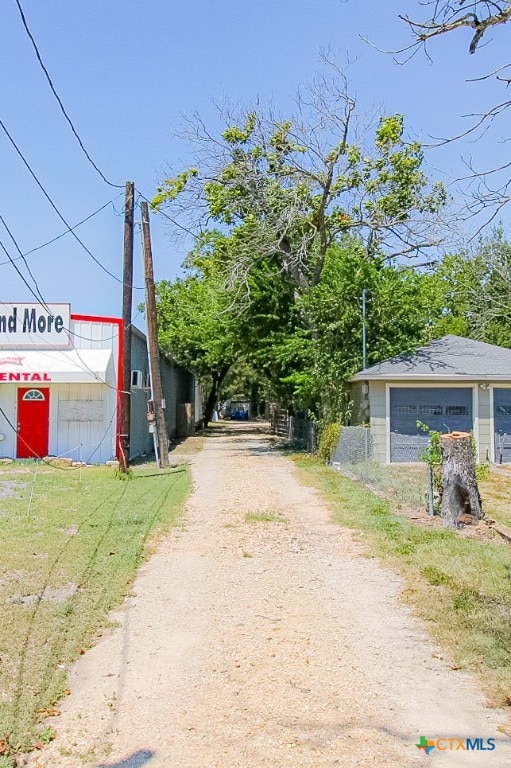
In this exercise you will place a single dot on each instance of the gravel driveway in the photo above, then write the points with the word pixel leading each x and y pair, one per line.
pixel 267 640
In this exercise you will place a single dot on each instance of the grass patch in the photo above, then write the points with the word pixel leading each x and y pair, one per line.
pixel 460 586
pixel 71 544
pixel 267 516
pixel 495 494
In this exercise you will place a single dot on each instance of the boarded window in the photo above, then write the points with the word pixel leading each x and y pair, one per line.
pixel 81 410
pixel 404 410
pixel 431 410
pixel 456 410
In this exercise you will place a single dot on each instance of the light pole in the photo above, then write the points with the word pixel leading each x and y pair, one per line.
pixel 364 360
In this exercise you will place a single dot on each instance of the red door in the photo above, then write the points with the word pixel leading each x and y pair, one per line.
pixel 33 422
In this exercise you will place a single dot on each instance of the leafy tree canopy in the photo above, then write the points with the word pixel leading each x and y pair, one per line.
pixel 289 189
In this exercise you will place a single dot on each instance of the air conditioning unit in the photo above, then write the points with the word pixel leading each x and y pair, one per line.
pixel 137 379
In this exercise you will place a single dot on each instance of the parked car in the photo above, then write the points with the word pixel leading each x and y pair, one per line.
pixel 240 410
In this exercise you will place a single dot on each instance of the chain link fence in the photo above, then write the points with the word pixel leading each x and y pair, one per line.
pixel 407 486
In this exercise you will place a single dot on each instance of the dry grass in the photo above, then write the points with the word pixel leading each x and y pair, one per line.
pixel 71 544
pixel 265 516
pixel 496 495
pixel 188 447
pixel 460 586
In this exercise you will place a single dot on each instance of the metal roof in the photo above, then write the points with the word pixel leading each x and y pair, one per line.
pixel 451 357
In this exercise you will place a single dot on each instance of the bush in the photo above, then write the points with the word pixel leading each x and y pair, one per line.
pixel 328 441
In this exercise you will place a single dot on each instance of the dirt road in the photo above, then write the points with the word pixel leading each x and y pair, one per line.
pixel 260 636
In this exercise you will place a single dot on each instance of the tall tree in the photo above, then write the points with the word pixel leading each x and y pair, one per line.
pixel 289 189
pixel 198 329
pixel 299 204
pixel 326 351
pixel 479 16
pixel 490 186
pixel 475 292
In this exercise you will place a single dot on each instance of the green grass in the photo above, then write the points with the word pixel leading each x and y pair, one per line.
pixel 266 516
pixel 460 586
pixel 495 492
pixel 71 544
pixel 407 486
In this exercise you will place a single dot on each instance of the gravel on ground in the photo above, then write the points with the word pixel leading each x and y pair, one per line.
pixel 261 635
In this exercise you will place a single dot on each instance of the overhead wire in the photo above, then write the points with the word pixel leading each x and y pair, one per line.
pixel 40 458
pixel 77 136
pixel 166 215
pixel 66 232
pixel 37 293
pixel 84 366
pixel 38 298
pixel 57 211
pixel 59 100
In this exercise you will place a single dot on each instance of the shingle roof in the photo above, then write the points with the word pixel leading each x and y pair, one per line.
pixel 451 357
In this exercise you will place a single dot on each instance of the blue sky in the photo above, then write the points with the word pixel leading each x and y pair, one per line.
pixel 128 73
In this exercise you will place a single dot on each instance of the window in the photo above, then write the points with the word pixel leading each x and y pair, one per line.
pixel 430 410
pixel 404 410
pixel 504 410
pixel 456 410
pixel 33 394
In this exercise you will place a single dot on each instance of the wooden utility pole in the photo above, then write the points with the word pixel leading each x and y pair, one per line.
pixel 127 300
pixel 152 338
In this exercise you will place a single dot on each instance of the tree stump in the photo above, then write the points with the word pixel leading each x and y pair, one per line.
pixel 461 501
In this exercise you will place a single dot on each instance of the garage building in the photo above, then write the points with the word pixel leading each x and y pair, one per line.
pixel 453 384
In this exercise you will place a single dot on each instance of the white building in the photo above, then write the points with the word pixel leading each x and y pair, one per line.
pixel 60 375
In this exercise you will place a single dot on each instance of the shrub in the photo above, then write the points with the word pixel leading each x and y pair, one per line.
pixel 328 441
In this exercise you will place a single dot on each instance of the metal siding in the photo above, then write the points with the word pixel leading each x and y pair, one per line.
pixel 169 381
pixel 429 405
pixel 378 420
pixel 90 441
pixel 501 404
pixel 359 404
pixel 8 405
pixel 141 440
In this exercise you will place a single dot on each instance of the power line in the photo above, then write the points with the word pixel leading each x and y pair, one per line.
pixel 41 458
pixel 162 213
pixel 59 214
pixel 21 256
pixel 67 231
pixel 37 296
pixel 59 100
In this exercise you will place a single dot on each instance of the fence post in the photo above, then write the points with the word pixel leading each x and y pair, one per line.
pixel 431 505
pixel 291 428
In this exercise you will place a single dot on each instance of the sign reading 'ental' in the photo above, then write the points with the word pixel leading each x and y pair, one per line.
pixel 25 326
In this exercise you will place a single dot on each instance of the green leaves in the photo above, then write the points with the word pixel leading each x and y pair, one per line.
pixel 171 188
pixel 307 217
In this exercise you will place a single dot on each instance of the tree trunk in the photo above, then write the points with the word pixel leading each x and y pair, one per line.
pixel 211 402
pixel 461 502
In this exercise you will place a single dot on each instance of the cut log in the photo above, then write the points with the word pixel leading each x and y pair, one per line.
pixel 460 494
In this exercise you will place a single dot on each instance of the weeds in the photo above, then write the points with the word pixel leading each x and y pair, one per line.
pixel 268 516
pixel 64 567
pixel 460 586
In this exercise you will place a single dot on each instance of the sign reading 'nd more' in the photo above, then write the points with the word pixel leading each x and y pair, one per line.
pixel 25 326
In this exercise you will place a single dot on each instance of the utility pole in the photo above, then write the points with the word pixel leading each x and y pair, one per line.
pixel 127 301
pixel 152 339
pixel 364 356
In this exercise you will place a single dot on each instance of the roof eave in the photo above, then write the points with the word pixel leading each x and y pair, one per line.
pixel 429 377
